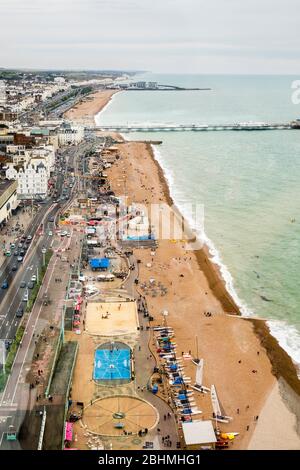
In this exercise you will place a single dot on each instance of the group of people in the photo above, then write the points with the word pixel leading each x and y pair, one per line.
pixel 207 314
pixel 166 441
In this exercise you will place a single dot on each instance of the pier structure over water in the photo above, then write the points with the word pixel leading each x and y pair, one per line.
pixel 195 127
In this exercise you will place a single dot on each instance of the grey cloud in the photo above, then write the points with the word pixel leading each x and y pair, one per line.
pixel 168 35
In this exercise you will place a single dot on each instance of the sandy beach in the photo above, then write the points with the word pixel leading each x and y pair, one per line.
pixel 239 359
pixel 85 111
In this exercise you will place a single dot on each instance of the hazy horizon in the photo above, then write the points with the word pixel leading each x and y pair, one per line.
pixel 196 36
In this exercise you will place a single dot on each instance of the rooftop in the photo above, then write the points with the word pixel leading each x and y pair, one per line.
pixel 198 432
pixel 4 185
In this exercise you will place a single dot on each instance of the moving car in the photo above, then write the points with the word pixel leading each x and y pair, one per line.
pixel 14 267
pixel 20 259
pixel 7 344
pixel 29 238
pixel 22 284
pixel 30 285
pixel 20 312
pixel 25 297
pixel 50 233
pixel 33 278
pixel 4 284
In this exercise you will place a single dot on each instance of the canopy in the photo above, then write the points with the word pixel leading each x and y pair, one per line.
pixel 69 431
pixel 99 263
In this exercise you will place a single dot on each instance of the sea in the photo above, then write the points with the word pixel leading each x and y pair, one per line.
pixel 247 182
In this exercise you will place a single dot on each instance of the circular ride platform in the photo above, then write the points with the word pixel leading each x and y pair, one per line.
pixel 119 415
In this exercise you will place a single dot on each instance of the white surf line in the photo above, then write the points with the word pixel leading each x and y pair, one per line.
pixel 29 343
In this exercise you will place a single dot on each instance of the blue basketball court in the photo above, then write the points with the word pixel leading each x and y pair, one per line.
pixel 112 364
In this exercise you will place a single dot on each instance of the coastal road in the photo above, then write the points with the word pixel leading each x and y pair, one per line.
pixel 11 298
pixel 13 402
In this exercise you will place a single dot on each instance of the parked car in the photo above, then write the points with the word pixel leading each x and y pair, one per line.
pixel 50 233
pixel 29 238
pixel 8 253
pixel 4 284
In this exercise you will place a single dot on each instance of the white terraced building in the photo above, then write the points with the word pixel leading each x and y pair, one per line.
pixel 32 179
pixel 70 135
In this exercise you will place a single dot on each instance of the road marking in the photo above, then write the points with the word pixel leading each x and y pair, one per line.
pixel 29 343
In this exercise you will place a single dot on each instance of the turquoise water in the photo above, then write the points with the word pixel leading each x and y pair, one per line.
pixel 248 183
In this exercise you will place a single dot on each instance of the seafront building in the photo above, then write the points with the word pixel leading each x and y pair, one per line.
pixel 32 179
pixel 8 200
pixel 70 135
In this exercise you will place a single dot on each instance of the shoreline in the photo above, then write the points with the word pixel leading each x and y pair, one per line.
pixel 252 329
pixel 92 104
pixel 282 363
pixel 211 270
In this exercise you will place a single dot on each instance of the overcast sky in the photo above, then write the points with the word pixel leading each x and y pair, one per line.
pixel 184 36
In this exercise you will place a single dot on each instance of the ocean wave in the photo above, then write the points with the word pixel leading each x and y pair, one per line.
pixel 288 338
pixel 215 255
pixel 98 115
pixel 287 335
